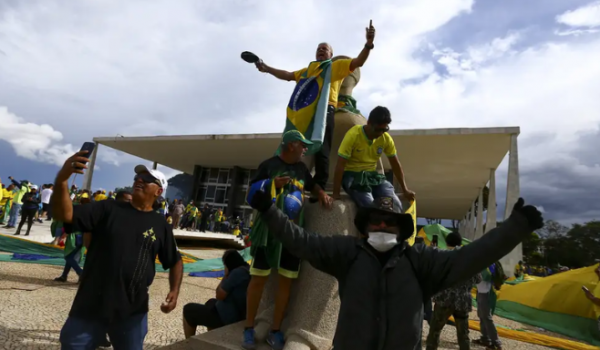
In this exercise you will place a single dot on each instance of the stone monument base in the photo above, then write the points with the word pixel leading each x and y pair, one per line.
pixel 313 308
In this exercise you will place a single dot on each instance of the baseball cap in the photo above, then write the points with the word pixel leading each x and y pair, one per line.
pixel 294 135
pixel 155 173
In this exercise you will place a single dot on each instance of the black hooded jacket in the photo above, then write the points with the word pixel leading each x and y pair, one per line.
pixel 382 306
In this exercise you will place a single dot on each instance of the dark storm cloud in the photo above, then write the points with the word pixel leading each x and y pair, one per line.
pixel 567 189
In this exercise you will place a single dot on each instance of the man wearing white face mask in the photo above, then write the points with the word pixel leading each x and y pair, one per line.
pixel 382 280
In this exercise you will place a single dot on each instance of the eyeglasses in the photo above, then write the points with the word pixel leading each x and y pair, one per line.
pixel 375 219
pixel 147 178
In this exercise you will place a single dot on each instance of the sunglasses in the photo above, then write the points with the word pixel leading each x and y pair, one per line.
pixel 147 178
pixel 375 219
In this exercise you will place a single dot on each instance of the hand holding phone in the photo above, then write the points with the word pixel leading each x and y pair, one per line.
pixel 76 163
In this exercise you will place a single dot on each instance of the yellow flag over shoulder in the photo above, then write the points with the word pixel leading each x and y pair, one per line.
pixel 412 210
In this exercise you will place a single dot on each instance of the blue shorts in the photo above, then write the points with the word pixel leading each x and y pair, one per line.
pixel 80 334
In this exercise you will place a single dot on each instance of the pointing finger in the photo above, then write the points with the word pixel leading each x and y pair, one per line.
pixel 370 23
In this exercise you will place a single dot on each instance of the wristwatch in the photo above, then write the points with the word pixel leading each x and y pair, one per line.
pixel 370 47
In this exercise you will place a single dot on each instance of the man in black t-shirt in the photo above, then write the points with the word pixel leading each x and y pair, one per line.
pixel 286 178
pixel 120 263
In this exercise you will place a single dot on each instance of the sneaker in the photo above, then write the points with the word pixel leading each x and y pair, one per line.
pixel 495 346
pixel 249 342
pixel 276 340
pixel 61 279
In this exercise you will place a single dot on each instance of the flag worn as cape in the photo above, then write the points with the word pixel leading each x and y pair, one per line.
pixel 307 109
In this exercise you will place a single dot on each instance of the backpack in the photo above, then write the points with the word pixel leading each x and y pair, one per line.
pixel 498 276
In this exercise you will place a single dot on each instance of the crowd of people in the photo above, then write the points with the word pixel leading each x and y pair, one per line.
pixel 25 200
pixel 385 284
pixel 192 217
pixel 522 269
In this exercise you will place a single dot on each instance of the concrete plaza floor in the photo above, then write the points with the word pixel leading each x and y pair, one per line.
pixel 33 307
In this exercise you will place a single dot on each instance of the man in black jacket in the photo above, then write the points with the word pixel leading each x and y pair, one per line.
pixel 382 280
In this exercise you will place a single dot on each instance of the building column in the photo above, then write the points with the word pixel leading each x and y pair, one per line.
pixel 479 216
pixel 234 187
pixel 196 178
pixel 513 188
pixel 155 166
pixel 512 195
pixel 89 174
pixel 490 220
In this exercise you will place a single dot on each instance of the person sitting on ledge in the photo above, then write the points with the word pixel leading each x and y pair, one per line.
pixel 382 279
pixel 286 178
pixel 359 152
pixel 229 306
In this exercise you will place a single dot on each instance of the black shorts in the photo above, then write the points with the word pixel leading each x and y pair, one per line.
pixel 46 207
pixel 203 314
pixel 289 265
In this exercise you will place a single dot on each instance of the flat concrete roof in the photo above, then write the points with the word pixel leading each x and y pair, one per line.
pixel 445 167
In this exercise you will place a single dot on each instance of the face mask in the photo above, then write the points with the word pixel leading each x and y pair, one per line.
pixel 382 241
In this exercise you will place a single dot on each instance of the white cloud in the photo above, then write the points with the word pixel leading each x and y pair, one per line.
pixel 32 141
pixel 585 16
pixel 137 68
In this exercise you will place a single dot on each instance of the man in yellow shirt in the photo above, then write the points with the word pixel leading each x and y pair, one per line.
pixel 309 83
pixel 356 169
pixel 6 202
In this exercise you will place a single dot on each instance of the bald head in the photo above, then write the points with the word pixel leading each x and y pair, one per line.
pixel 324 52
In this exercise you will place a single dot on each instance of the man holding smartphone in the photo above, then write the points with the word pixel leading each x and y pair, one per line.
pixel 120 265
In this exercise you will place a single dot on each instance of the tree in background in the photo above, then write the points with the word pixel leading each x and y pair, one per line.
pixel 555 245
pixel 126 188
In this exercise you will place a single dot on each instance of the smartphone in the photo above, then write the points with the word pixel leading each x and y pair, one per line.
pixel 87 146
pixel 434 240
pixel 585 288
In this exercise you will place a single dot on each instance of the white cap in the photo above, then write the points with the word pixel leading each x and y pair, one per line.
pixel 156 174
pixel 33 187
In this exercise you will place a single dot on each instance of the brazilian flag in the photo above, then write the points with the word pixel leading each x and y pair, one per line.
pixel 307 109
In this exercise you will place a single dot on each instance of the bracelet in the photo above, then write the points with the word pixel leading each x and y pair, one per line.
pixel 370 47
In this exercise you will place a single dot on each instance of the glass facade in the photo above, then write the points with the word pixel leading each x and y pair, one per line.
pixel 226 188
pixel 217 188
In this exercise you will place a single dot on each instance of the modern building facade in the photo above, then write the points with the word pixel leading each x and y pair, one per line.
pixel 447 168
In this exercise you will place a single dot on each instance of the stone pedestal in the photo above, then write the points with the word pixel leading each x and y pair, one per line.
pixel 313 309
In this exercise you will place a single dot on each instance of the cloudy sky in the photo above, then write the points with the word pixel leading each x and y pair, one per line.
pixel 70 71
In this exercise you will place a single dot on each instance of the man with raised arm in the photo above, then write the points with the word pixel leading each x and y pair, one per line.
pixel 120 264
pixel 312 105
pixel 383 280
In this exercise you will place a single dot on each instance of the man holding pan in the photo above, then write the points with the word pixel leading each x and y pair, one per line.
pixel 312 105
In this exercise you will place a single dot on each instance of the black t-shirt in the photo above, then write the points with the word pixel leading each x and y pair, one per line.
pixel 275 166
pixel 120 263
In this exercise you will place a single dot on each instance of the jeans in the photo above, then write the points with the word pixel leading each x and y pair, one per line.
pixel 488 328
pixel 14 212
pixel 71 261
pixel 365 199
pixel 128 334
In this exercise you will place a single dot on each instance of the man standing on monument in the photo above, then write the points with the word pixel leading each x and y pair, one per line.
pixel 382 280
pixel 311 108
pixel 285 177
pixel 356 168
